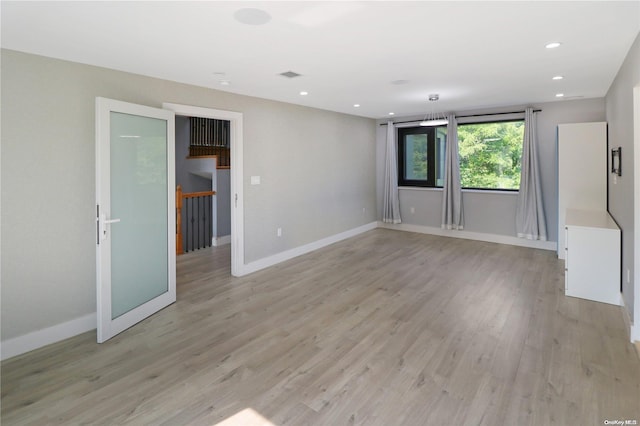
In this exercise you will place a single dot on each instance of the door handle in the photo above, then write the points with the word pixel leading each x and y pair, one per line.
pixel 102 224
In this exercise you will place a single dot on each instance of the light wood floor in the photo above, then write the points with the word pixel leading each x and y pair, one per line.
pixel 387 328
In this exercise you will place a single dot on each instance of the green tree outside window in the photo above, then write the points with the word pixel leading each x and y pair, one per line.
pixel 490 154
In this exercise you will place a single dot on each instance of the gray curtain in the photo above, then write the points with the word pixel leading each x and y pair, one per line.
pixel 452 212
pixel 530 221
pixel 391 204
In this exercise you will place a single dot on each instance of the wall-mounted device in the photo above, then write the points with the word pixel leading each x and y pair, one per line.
pixel 616 161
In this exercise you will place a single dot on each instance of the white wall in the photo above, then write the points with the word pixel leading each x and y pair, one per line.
pixel 492 212
pixel 317 169
pixel 223 203
pixel 619 113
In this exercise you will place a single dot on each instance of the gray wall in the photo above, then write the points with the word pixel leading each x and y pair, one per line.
pixel 188 181
pixel 223 202
pixel 317 176
pixel 317 169
pixel 619 110
pixel 492 212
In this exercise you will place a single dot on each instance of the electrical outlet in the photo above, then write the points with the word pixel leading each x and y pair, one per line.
pixel 279 232
pixel 413 210
pixel 364 210
pixel 628 275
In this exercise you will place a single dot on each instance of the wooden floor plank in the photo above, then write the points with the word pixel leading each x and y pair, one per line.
pixel 386 328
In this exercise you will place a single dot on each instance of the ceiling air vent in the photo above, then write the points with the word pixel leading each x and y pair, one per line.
pixel 290 74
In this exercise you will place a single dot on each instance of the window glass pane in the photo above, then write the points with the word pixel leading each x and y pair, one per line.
pixel 490 154
pixel 415 157
pixel 139 261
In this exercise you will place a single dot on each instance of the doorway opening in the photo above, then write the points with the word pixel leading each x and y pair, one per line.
pixel 203 183
pixel 225 181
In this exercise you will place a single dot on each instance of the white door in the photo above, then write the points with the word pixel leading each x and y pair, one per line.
pixel 135 213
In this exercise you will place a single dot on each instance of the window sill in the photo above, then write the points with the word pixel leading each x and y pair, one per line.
pixel 420 188
pixel 490 191
pixel 471 191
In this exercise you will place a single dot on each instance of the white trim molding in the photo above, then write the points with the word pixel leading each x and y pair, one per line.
pixel 634 332
pixel 635 327
pixel 40 338
pixel 304 249
pixel 468 235
pixel 46 336
pixel 37 339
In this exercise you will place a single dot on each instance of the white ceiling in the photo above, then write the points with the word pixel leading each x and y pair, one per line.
pixel 474 54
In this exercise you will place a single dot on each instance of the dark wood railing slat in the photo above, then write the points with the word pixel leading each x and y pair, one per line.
pixel 198 220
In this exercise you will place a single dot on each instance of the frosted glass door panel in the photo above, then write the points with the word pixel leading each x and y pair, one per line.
pixel 139 262
pixel 135 214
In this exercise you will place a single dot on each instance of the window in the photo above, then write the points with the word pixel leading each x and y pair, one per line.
pixel 490 155
pixel 421 156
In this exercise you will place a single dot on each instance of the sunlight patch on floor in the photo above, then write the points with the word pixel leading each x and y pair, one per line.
pixel 246 417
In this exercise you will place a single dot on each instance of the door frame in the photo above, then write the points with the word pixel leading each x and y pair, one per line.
pixel 237 181
pixel 108 327
pixel 635 327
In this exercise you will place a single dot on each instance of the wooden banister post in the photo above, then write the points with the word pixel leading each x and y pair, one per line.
pixel 179 248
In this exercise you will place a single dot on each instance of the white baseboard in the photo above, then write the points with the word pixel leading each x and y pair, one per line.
pixel 34 340
pixel 626 318
pixel 220 241
pixel 298 251
pixel 37 339
pixel 46 336
pixel 633 332
pixel 491 238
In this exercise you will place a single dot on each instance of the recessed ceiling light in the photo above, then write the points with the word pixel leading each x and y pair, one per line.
pixel 392 113
pixel 559 95
pixel 225 82
pixel 557 77
pixel 399 82
pixel 252 16
pixel 553 45
pixel 356 105
pixel 303 93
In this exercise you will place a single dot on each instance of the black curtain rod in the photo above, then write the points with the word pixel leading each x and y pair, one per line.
pixel 464 116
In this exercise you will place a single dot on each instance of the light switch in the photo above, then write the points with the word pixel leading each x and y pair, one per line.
pixel 255 180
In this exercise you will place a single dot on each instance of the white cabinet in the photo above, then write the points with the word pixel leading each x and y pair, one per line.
pixel 582 170
pixel 592 264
